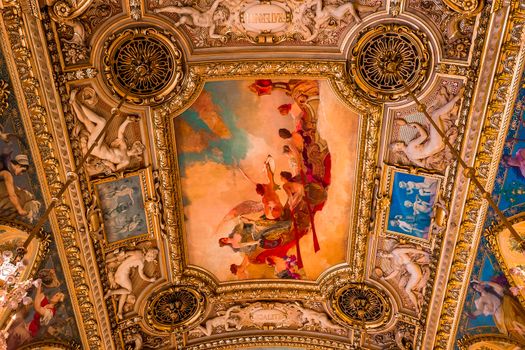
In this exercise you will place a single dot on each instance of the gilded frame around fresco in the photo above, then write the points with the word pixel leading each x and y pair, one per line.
pixel 146 186
pixel 388 181
pixel 198 74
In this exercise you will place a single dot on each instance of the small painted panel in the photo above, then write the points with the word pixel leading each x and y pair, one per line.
pixel 412 204
pixel 122 205
pixel 267 172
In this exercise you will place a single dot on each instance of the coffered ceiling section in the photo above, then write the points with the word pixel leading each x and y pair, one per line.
pixel 258 173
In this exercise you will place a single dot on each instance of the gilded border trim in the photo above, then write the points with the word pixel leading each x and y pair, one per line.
pixel 474 213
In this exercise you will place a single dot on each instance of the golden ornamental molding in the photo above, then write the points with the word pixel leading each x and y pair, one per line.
pixel 467 341
pixel 144 64
pixel 358 304
pixel 504 87
pixel 198 74
pixel 284 339
pixel 465 7
pixel 48 165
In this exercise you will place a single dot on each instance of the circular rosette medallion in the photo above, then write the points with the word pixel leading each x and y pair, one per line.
pixel 359 303
pixel 174 308
pixel 143 64
pixel 388 59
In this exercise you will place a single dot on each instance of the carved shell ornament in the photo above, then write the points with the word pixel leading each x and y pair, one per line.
pixel 143 64
pixel 387 57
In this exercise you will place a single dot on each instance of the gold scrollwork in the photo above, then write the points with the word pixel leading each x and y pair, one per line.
pixel 143 64
pixel 4 95
pixel 473 212
pixel 387 57
pixel 465 7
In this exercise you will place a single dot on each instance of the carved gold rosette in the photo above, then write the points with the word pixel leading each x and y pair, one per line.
pixel 358 304
pixel 386 57
pixel 174 308
pixel 144 64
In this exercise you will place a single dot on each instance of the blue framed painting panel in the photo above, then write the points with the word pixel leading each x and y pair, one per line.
pixel 412 201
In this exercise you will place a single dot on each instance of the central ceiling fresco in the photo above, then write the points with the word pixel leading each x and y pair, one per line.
pixel 225 174
pixel 267 175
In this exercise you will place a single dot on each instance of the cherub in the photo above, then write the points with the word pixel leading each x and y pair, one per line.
pixel 116 155
pixel 216 15
pixel 332 12
pixel 122 275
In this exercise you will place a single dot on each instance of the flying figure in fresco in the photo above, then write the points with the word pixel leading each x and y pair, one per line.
pixel 517 161
pixel 264 235
pixel 116 156
pixel 506 311
pixel 14 200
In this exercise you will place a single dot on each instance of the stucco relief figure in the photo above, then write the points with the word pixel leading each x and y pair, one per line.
pixel 120 269
pixel 325 15
pixel 135 340
pixel 215 16
pixel 313 318
pixel 111 156
pixel 225 319
pixel 409 269
pixel 427 149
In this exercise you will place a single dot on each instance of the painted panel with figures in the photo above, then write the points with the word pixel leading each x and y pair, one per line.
pixel 412 202
pixel 122 205
pixel 50 316
pixel 490 305
pixel 267 167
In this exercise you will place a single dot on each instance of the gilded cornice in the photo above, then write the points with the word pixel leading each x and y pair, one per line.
pixel 47 156
pixel 494 131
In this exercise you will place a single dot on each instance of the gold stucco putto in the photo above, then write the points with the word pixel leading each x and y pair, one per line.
pixel 143 63
pixel 386 57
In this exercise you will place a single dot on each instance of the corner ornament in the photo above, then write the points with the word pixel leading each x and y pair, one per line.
pixel 361 305
pixel 175 308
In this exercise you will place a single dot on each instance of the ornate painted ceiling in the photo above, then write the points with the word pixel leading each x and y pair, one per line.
pixel 264 174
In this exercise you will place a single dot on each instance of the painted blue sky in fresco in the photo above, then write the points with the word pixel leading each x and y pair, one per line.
pixel 229 150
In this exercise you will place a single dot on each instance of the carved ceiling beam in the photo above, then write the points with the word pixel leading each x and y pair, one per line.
pixel 497 118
